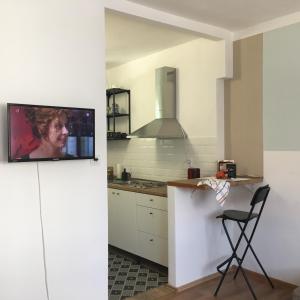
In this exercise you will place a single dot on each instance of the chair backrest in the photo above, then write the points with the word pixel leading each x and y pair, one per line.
pixel 260 194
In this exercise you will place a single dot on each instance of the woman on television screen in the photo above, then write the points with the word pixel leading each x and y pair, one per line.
pixel 49 125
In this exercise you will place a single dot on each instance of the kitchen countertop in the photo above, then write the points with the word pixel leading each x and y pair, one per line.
pixel 156 191
pixel 192 183
pixel 185 183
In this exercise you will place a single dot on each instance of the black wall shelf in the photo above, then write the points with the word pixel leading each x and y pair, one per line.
pixel 111 94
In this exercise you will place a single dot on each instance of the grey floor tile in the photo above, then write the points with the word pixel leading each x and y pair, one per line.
pixel 127 277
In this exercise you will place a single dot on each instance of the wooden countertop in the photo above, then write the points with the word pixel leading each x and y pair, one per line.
pixel 192 183
pixel 156 191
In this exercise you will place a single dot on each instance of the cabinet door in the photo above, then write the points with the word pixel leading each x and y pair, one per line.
pixel 151 220
pixel 153 248
pixel 112 216
pixel 122 220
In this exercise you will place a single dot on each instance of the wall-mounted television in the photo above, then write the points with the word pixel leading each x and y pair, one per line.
pixel 38 132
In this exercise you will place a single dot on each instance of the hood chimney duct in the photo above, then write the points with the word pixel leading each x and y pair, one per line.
pixel 165 125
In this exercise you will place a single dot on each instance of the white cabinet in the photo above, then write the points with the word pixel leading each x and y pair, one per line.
pixel 152 226
pixel 122 220
pixel 138 223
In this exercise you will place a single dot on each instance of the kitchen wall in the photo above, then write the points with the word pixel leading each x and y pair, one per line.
pixel 51 52
pixel 163 159
pixel 199 63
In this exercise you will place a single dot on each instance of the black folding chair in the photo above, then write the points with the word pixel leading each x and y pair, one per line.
pixel 243 217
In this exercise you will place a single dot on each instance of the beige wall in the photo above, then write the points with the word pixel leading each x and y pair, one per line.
pixel 243 107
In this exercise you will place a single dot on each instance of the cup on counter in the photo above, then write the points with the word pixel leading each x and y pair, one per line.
pixel 110 173
pixel 119 170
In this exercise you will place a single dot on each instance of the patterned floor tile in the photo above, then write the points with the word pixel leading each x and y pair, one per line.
pixel 128 277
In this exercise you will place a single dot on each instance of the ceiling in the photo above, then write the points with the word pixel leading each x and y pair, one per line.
pixel 234 15
pixel 129 38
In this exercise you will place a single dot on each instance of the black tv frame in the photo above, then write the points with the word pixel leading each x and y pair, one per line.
pixel 48 158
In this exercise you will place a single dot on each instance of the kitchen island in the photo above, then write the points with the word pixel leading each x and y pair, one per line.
pixel 197 242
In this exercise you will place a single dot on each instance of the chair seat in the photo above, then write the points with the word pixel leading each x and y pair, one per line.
pixel 237 215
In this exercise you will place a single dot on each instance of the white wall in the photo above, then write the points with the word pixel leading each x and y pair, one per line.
pixel 199 63
pixel 163 160
pixel 276 241
pixel 52 52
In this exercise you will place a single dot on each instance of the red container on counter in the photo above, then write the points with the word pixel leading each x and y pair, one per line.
pixel 193 173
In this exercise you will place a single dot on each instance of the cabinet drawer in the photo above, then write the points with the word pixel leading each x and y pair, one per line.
pixel 152 201
pixel 153 221
pixel 153 248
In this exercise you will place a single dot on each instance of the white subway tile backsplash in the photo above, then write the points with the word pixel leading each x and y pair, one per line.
pixel 164 160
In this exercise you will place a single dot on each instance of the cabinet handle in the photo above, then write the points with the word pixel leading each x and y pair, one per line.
pixel 113 193
pixel 150 213
pixel 118 194
pixel 151 200
pixel 151 240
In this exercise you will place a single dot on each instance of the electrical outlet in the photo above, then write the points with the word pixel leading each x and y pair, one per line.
pixel 188 162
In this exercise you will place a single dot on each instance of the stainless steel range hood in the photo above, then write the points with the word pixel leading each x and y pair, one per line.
pixel 165 125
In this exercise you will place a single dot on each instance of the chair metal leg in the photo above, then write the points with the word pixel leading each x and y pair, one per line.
pixel 248 283
pixel 254 254
pixel 223 264
pixel 240 261
pixel 223 276
pixel 234 255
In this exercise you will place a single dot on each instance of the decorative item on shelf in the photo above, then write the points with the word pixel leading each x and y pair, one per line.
pixel 111 135
pixel 226 169
pixel 221 175
pixel 231 170
pixel 115 109
pixel 110 173
pixel 108 110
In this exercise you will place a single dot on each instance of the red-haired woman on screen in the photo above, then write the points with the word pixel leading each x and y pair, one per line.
pixel 49 125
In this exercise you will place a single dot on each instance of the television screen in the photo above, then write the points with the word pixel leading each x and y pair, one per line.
pixel 38 132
